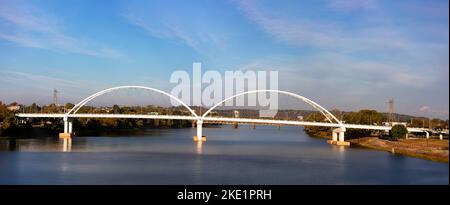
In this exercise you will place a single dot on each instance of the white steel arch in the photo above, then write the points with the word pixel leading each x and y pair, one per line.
pixel 310 102
pixel 91 97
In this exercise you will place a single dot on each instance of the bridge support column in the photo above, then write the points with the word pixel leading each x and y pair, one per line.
pixel 334 136
pixel 338 139
pixel 441 137
pixel 67 129
pixel 199 137
pixel 341 136
pixel 406 136
pixel 70 126
pixel 66 125
pixel 428 135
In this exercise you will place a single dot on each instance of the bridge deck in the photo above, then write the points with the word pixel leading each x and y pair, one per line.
pixel 218 119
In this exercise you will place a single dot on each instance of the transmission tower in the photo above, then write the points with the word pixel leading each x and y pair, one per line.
pixel 391 117
pixel 55 97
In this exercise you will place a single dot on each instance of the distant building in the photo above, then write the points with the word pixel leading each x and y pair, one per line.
pixel 394 123
pixel 152 113
pixel 13 107
pixel 106 109
pixel 213 113
pixel 300 118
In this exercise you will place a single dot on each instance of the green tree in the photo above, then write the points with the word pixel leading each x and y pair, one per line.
pixel 8 121
pixel 316 117
pixel 337 113
pixel 6 117
pixel 52 108
pixel 398 131
pixel 417 122
pixel 3 111
pixel 366 117
pixel 116 109
pixel 69 106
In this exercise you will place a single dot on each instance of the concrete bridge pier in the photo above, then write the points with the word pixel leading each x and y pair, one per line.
pixel 341 136
pixel 428 135
pixel 441 137
pixel 199 137
pixel 334 136
pixel 338 137
pixel 66 125
pixel 70 125
pixel 67 129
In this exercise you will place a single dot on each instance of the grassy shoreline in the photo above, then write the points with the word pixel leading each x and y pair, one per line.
pixel 431 149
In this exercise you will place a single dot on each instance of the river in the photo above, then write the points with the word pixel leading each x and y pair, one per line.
pixel 264 155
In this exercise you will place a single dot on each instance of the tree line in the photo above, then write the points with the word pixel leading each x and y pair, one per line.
pixel 11 124
pixel 367 117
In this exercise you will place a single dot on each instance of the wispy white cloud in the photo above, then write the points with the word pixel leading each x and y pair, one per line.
pixel 424 108
pixel 427 110
pixel 375 56
pixel 345 68
pixel 38 81
pixel 299 34
pixel 28 26
pixel 177 31
pixel 347 83
pixel 165 31
pixel 23 40
pixel 351 5
pixel 330 34
pixel 39 87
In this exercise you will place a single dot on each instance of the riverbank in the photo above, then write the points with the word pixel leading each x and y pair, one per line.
pixel 431 149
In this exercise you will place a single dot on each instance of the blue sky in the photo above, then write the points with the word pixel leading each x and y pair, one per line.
pixel 344 54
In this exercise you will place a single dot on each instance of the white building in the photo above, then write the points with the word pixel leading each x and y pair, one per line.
pixel 13 107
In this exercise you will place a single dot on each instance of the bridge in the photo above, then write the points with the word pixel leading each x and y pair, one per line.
pixel 338 128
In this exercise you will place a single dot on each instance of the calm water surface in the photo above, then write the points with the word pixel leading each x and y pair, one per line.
pixel 264 155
